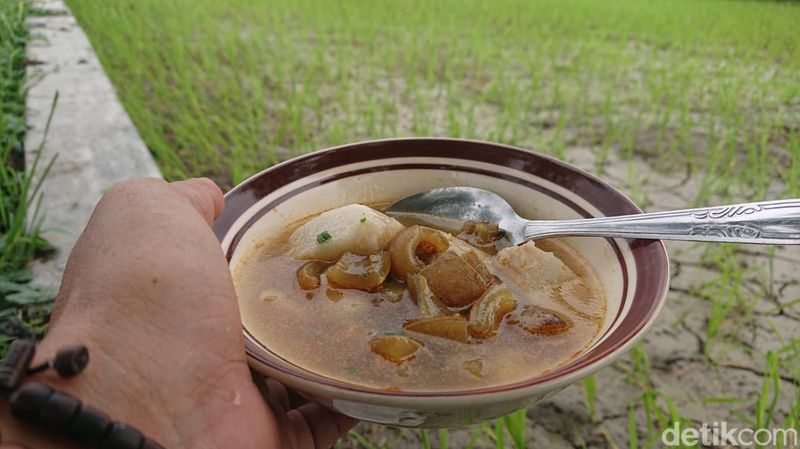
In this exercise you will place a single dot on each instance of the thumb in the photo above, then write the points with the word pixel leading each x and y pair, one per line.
pixel 204 195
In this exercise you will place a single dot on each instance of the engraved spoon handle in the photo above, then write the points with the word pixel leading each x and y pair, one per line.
pixel 767 222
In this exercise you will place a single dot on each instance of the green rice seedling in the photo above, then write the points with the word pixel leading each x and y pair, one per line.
pixel 770 391
pixel 728 297
pixel 590 391
pixel 659 409
pixel 426 442
pixel 654 417
pixel 789 356
pixel 362 440
pixel 499 434
pixel 633 436
pixel 443 436
pixel 676 418
pixel 792 421
pixel 722 400
pixel 581 441
pixel 515 426
pixel 790 172
pixel 658 419
pixel 475 436
pixel 640 368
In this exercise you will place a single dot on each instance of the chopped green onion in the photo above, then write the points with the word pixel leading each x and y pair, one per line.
pixel 323 237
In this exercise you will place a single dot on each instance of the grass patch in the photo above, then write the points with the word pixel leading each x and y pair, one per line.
pixel 23 306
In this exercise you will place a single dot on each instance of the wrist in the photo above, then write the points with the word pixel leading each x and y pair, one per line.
pixel 46 392
pixel 19 410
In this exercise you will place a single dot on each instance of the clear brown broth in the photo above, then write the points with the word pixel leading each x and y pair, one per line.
pixel 330 336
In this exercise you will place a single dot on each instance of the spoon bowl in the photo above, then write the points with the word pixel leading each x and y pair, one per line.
pixel 451 208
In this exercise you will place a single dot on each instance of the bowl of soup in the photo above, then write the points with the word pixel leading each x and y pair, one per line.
pixel 415 326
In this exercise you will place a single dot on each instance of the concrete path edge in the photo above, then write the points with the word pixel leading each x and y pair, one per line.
pixel 91 135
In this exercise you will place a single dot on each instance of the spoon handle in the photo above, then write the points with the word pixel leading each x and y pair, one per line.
pixel 767 222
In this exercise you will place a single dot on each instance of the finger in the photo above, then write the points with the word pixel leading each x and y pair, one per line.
pixel 261 382
pixel 296 399
pixel 204 195
pixel 273 391
pixel 297 432
pixel 278 392
pixel 325 425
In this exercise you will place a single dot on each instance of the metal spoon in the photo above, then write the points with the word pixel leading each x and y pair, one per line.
pixel 767 222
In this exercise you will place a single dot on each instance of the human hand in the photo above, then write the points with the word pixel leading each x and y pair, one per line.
pixel 148 290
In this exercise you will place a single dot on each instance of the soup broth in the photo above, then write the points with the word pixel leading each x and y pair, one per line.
pixel 555 309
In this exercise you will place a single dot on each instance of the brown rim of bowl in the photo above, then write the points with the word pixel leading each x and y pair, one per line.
pixel 649 255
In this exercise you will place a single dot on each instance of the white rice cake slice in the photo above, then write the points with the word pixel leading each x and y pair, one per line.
pixel 355 228
pixel 530 267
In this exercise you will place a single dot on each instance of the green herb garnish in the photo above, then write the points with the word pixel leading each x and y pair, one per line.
pixel 395 333
pixel 323 237
pixel 363 219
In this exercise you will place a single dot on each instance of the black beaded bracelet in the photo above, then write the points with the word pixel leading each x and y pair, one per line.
pixel 59 412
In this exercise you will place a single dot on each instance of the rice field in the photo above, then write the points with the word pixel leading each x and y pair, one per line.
pixel 678 102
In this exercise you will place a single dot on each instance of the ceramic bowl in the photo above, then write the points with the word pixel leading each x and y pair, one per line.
pixel 634 273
